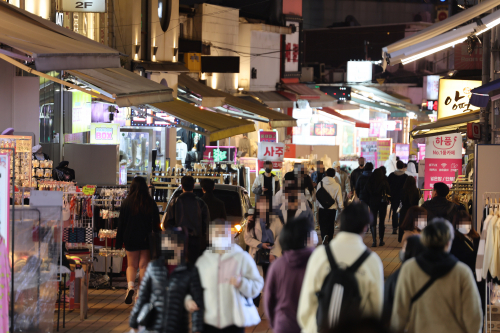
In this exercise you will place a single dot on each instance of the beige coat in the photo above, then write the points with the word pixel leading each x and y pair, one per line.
pixel 253 237
pixel 450 305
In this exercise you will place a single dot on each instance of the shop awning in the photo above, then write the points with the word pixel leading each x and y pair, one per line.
pixel 482 95
pixel 301 90
pixel 126 87
pixel 209 97
pixel 51 46
pixel 217 125
pixel 443 26
pixel 276 119
pixel 441 35
pixel 323 101
pixel 159 66
pixel 454 124
pixel 273 99
pixel 381 96
pixel 358 123
pixel 395 112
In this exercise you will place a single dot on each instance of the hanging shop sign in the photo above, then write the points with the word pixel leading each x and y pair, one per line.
pixel 464 60
pixel 104 133
pixel 473 131
pixel 432 88
pixel 369 149
pixel 92 6
pixel 323 129
pixel 443 157
pixel 383 151
pixel 268 136
pixel 220 154
pixel 454 96
pixel 292 53
pixel 271 151
pixel 359 71
pixel 4 196
pixel 403 151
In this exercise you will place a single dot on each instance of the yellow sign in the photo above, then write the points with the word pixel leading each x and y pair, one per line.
pixel 89 189
pixel 454 96
pixel 193 61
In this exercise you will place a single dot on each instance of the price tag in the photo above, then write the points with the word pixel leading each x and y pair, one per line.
pixel 89 189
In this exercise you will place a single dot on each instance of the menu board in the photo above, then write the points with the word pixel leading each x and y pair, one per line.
pixel 20 159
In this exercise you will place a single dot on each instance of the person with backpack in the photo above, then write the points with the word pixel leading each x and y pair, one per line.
pixel 435 292
pixel 343 279
pixel 329 193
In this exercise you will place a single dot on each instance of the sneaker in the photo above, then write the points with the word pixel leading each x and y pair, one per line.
pixel 129 296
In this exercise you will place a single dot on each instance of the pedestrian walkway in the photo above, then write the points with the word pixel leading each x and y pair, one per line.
pixel 109 314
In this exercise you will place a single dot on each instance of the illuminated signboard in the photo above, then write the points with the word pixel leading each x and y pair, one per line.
pixel 454 96
pixel 101 133
pixel 322 129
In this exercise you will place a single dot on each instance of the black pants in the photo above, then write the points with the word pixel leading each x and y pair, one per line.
pixel 327 222
pixel 229 329
pixel 195 248
pixel 394 214
pixel 379 210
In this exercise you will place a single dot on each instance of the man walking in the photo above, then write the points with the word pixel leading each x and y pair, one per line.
pixel 266 183
pixel 439 206
pixel 342 178
pixel 346 249
pixel 396 181
pixel 355 174
pixel 216 207
pixel 327 214
pixel 317 175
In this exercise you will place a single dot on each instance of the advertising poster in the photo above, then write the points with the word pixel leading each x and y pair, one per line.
pixel 369 150
pixel 4 195
pixel 443 157
pixel 81 111
pixel 403 151
pixel 383 151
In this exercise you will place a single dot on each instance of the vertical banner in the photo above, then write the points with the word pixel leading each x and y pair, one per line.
pixel 4 197
pixel 383 151
pixel 443 157
pixel 369 150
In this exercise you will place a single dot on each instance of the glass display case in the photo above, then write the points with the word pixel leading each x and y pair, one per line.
pixel 136 150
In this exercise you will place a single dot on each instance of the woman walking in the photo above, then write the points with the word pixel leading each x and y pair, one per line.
pixel 378 193
pixel 410 195
pixel 285 276
pixel 139 218
pixel 413 223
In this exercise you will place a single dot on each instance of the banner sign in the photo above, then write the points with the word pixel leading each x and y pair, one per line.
pixel 104 133
pixel 403 151
pixel 271 151
pixel 443 157
pixel 383 151
pixel 369 150
pixel 5 197
pixel 268 136
pixel 323 129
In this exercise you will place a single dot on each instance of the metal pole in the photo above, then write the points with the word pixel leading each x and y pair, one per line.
pixel 61 122
pixel 485 112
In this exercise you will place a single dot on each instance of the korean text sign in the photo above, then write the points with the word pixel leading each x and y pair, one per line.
pixel 268 136
pixel 271 151
pixel 383 151
pixel 443 157
pixel 369 149
pixel 454 96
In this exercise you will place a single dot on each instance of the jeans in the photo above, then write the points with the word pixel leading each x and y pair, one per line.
pixel 327 222
pixel 379 210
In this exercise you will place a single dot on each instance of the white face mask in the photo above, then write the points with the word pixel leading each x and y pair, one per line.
pixel 221 242
pixel 464 228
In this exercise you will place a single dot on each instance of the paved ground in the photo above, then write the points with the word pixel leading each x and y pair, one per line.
pixel 108 313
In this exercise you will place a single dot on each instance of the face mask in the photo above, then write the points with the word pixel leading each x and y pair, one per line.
pixel 421 225
pixel 221 243
pixel 268 170
pixel 168 254
pixel 464 229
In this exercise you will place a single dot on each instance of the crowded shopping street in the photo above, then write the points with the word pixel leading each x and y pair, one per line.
pixel 249 166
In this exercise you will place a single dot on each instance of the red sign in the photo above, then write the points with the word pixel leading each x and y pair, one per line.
pixel 464 60
pixel 473 131
pixel 268 136
pixel 322 129
pixel 276 165
pixel 443 157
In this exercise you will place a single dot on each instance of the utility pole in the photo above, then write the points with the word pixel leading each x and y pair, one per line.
pixel 485 112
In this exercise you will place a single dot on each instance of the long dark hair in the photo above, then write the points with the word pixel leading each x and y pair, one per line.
pixel 308 183
pixel 140 197
pixel 259 214
pixel 463 216
pixel 411 217
pixel 377 182
pixel 410 189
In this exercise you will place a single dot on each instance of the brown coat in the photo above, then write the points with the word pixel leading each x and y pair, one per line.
pixel 451 304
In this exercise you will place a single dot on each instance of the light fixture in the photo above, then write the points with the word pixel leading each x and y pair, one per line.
pixel 137 48
pixel 431 51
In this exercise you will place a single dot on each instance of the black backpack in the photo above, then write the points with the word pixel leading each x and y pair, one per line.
pixel 324 198
pixel 339 297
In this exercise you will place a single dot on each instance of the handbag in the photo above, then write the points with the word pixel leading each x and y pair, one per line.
pixel 324 198
pixel 258 190
pixel 262 255
pixel 146 315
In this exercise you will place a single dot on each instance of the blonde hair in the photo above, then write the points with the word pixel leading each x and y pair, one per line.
pixel 437 234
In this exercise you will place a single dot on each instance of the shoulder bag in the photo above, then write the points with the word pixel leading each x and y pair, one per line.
pixel 262 254
pixel 324 198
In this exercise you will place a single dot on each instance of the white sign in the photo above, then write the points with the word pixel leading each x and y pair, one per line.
pixel 359 71
pixel 93 6
pixel 271 151
pixel 46 198
pixel 432 87
pixel 59 19
pixel 4 197
pixel 445 146
pixel 292 52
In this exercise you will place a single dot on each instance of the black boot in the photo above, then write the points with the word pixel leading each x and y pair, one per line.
pixel 394 231
pixel 381 232
pixel 374 236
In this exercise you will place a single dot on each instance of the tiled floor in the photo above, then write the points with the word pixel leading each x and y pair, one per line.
pixel 108 313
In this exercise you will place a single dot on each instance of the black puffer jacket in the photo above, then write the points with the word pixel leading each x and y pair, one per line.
pixel 167 292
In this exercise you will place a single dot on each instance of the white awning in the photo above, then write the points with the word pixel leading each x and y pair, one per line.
pixel 51 46
pixel 441 42
pixel 380 96
pixel 443 26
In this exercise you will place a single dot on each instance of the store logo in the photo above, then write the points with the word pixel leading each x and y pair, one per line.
pixel 59 19
pixel 103 133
